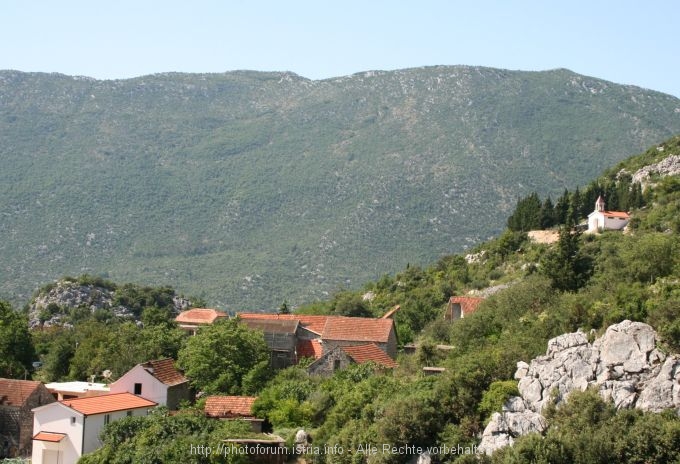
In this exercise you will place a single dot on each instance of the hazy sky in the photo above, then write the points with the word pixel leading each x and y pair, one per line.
pixel 628 42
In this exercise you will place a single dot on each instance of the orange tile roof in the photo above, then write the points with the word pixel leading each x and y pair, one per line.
pixel 15 392
pixel 309 349
pixel 617 214
pixel 108 403
pixel 370 352
pixel 311 322
pixel 229 406
pixel 357 329
pixel 199 316
pixel 468 304
pixel 165 371
pixel 49 436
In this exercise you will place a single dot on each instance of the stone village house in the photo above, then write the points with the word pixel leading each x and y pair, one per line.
pixel 17 399
pixel 292 337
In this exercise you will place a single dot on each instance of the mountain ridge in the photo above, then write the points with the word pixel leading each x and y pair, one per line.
pixel 250 188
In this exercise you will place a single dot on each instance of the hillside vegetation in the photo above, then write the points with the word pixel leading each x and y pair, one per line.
pixel 247 189
pixel 534 292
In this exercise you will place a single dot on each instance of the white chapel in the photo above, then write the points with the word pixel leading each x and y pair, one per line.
pixel 601 219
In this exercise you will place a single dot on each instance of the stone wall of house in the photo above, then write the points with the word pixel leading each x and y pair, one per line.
pixel 16 424
pixel 330 362
pixel 10 426
pixel 177 394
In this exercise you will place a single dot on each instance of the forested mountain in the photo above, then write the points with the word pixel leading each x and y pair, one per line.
pixel 248 189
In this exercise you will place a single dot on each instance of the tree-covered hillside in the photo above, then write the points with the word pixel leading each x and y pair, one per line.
pixel 248 189
pixel 610 277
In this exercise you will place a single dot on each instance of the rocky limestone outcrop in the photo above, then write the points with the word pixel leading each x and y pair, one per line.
pixel 46 309
pixel 624 364
pixel 669 166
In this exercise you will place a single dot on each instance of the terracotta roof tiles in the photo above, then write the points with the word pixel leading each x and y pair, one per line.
pixel 15 392
pixel 617 214
pixel 309 349
pixel 312 322
pixel 229 406
pixel 199 316
pixel 49 436
pixel 108 403
pixel 468 304
pixel 358 329
pixel 165 371
pixel 370 352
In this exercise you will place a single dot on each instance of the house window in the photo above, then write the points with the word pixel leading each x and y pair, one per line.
pixel 129 413
pixel 73 420
pixel 107 419
pixel 138 389
pixel 336 364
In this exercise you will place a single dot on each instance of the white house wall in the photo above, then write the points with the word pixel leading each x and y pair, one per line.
pixel 152 388
pixel 56 418
pixel 95 423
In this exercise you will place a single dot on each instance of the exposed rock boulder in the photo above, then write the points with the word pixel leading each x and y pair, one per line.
pixel 669 166
pixel 50 307
pixel 623 364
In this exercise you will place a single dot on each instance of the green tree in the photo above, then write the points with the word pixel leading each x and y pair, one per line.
pixel 220 355
pixel 547 214
pixel 16 347
pixel 566 266
pixel 527 214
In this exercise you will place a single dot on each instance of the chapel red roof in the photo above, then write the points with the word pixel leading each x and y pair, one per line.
pixel 108 403
pixel 15 392
pixel 309 349
pixel 229 406
pixel 617 214
pixel 369 352
pixel 199 316
pixel 165 371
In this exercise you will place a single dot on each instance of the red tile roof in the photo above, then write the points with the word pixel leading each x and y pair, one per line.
pixel 468 304
pixel 370 352
pixel 108 403
pixel 357 329
pixel 314 323
pixel 15 392
pixel 49 436
pixel 363 329
pixel 309 349
pixel 617 214
pixel 199 316
pixel 165 371
pixel 229 406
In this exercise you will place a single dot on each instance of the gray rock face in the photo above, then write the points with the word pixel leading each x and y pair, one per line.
pixel 68 294
pixel 669 166
pixel 624 364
